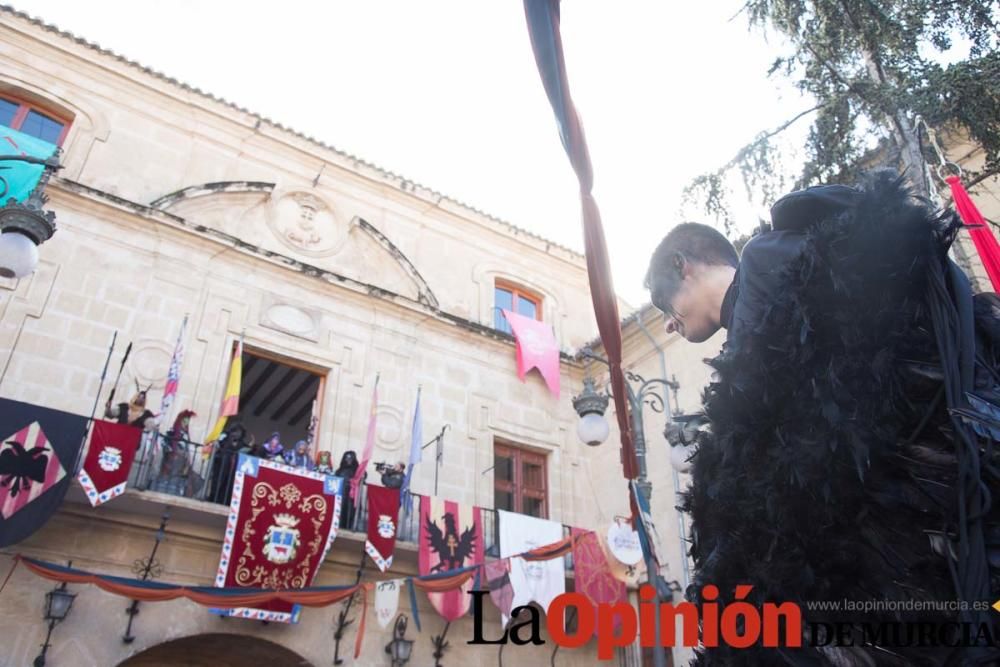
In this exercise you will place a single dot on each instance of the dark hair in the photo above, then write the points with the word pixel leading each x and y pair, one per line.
pixel 698 244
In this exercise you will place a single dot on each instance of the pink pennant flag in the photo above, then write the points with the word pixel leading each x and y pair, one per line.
pixel 366 454
pixel 536 348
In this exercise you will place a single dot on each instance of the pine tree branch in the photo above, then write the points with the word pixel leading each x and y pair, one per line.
pixel 740 154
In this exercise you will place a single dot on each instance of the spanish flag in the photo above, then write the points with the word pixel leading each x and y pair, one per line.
pixel 231 400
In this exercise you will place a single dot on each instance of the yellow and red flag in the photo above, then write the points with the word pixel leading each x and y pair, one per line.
pixel 231 399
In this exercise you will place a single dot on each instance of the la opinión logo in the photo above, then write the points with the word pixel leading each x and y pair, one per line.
pixel 739 624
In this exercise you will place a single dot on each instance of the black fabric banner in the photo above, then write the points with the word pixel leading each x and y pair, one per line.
pixel 38 449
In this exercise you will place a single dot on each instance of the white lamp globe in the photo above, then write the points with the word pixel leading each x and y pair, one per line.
pixel 18 255
pixel 592 429
pixel 680 457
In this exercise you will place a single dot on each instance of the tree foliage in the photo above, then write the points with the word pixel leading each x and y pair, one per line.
pixel 872 67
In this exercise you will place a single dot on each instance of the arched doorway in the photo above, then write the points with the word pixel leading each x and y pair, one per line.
pixel 216 650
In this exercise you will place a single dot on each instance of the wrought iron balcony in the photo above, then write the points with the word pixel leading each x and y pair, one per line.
pixel 181 468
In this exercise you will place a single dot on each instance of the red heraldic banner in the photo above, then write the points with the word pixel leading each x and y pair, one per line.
pixel 592 573
pixel 451 537
pixel 109 459
pixel 383 522
pixel 282 522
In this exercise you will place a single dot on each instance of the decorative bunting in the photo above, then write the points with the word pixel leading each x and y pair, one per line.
pixel 532 581
pixel 282 522
pixel 38 445
pixel 451 537
pixel 387 600
pixel 536 348
pixel 108 461
pixel 383 522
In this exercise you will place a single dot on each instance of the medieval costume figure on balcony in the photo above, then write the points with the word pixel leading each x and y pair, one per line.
pixel 849 451
pixel 273 449
pixel 299 456
pixel 134 412
pixel 348 468
pixel 176 476
pixel 233 441
pixel 324 465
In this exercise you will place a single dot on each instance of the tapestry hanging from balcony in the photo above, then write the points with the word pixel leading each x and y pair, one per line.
pixel 451 537
pixel 282 522
pixel 108 460
pixel 38 449
pixel 383 522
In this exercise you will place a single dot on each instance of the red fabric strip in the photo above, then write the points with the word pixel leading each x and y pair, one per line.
pixel 986 244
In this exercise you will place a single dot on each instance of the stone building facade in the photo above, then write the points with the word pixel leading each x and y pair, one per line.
pixel 172 203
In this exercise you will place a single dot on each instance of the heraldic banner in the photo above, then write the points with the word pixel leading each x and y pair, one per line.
pixel 108 461
pixel 37 453
pixel 282 522
pixel 451 537
pixel 383 522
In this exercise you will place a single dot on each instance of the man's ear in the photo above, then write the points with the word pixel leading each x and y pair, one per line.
pixel 679 266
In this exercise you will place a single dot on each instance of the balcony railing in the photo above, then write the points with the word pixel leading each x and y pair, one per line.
pixel 180 468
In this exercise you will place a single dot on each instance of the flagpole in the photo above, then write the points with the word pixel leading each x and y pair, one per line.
pixel 121 368
pixel 97 400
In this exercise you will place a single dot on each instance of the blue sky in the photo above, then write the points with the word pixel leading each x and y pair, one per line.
pixel 445 93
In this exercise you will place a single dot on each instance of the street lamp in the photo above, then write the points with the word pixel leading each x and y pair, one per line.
pixel 645 392
pixel 25 226
pixel 58 602
pixel 592 428
pixel 400 647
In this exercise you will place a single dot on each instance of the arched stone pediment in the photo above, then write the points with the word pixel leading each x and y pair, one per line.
pixel 304 225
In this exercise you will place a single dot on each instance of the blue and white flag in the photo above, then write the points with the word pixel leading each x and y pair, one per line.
pixel 416 449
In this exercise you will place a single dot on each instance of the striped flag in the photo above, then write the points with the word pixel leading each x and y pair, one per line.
pixel 231 399
pixel 416 454
pixel 366 455
pixel 173 376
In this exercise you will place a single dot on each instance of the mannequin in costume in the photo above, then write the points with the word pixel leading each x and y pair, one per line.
pixel 299 456
pixel 849 429
pixel 346 471
pixel 175 475
pixel 134 412
pixel 235 439
pixel 273 449
pixel 324 465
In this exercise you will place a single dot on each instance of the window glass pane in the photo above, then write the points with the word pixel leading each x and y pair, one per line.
pixel 527 307
pixel 502 299
pixel 504 471
pixel 533 506
pixel 43 127
pixel 7 111
pixel 503 500
pixel 532 476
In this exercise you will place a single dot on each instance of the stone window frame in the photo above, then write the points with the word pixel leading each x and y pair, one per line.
pixel 517 291
pixel 516 486
pixel 27 104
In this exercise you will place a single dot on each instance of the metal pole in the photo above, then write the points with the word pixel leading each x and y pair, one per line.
pixel 646 489
pixel 97 400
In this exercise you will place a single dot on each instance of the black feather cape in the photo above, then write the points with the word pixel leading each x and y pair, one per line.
pixel 830 466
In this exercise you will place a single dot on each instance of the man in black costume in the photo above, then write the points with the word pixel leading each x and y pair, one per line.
pixel 849 453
